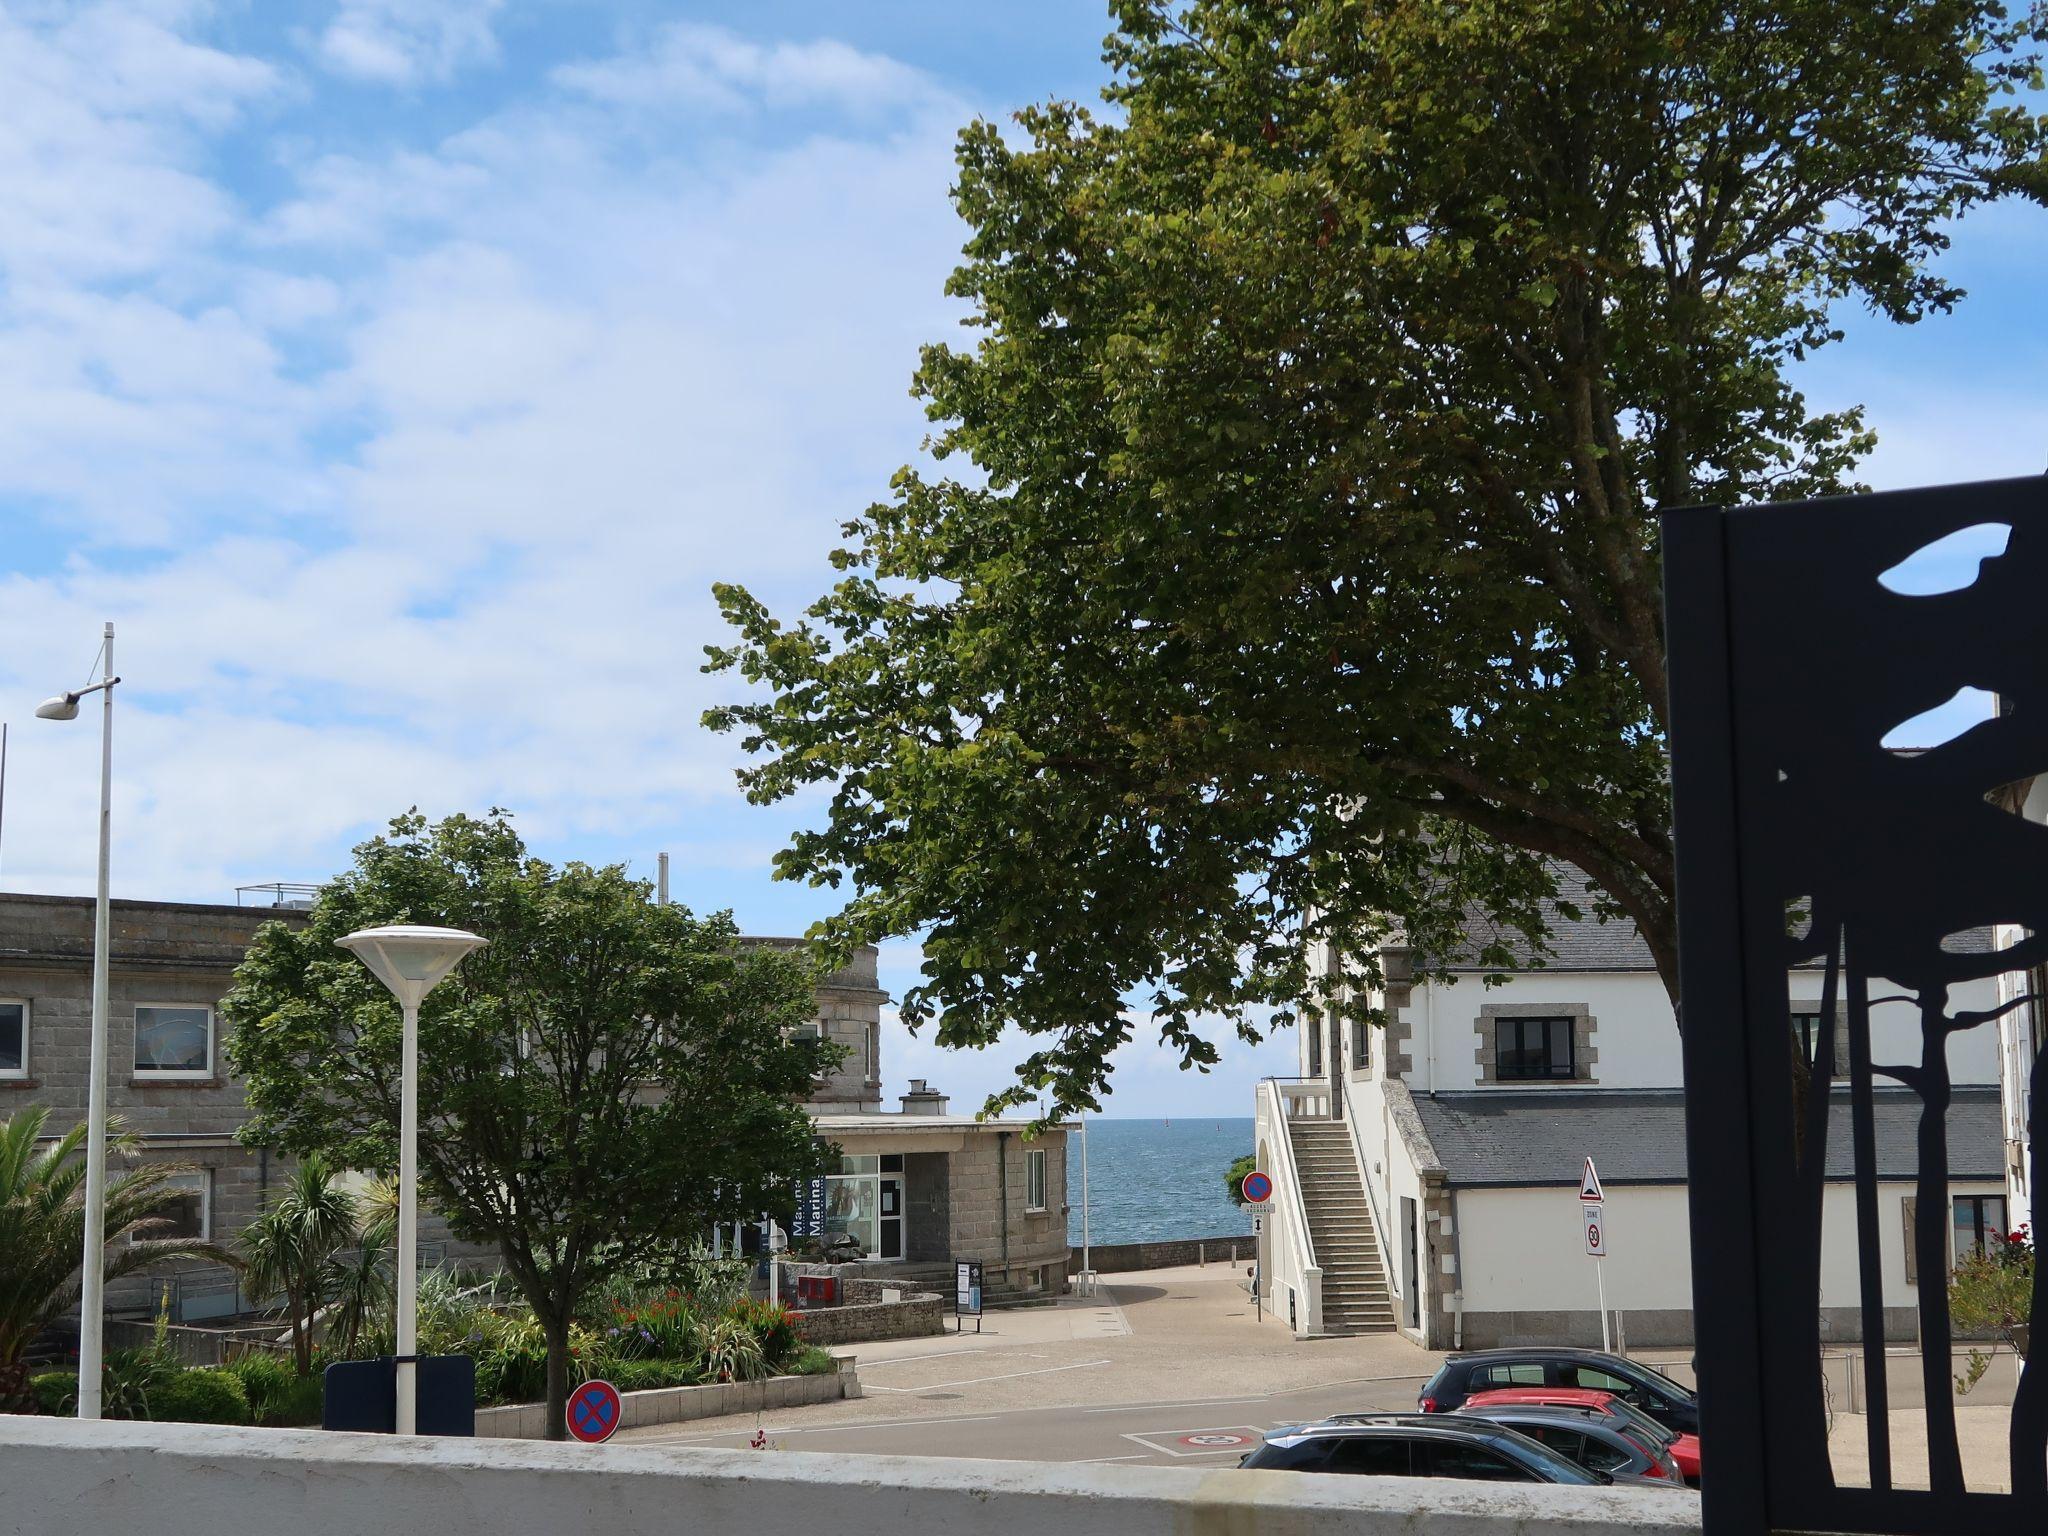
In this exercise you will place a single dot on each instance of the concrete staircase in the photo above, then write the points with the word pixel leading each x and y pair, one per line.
pixel 1355 1294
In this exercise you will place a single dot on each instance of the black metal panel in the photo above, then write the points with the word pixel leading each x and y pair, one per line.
pixel 1802 840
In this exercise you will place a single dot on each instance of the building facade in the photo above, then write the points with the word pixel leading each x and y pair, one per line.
pixel 916 1185
pixel 1468 1116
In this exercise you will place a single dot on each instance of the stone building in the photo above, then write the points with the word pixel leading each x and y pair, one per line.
pixel 915 1186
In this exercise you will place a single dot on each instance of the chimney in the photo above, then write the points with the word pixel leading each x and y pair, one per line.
pixel 923 1100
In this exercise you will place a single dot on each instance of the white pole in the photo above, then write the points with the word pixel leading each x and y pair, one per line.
pixel 91 1299
pixel 1606 1338
pixel 408 1222
pixel 1087 1266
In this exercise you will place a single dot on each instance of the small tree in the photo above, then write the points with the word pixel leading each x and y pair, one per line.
pixel 1992 1291
pixel 1234 1179
pixel 42 1231
pixel 608 1077
pixel 291 1248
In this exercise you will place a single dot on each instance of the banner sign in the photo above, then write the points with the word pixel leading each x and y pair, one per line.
pixel 810 1209
pixel 967 1288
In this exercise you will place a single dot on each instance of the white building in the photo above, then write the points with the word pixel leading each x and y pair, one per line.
pixel 1459 1131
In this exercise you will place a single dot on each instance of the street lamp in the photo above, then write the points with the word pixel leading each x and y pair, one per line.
pixel 94 1264
pixel 410 961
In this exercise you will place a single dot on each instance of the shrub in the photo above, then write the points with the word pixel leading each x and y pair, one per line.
pixel 55 1392
pixel 666 1328
pixel 732 1352
pixel 813 1361
pixel 277 1394
pixel 133 1378
pixel 644 1375
pixel 201 1397
pixel 778 1329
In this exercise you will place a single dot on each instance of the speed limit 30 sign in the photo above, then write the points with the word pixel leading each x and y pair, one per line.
pixel 1596 1230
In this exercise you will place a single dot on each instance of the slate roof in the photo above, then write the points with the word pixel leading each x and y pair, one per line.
pixel 1588 944
pixel 1543 1136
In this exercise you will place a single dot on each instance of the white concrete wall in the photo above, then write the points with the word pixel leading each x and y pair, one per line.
pixel 1524 1249
pixel 1636 1034
pixel 59 1477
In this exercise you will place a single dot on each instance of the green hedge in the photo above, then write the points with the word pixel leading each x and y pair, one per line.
pixel 278 1395
pixel 56 1392
pixel 201 1397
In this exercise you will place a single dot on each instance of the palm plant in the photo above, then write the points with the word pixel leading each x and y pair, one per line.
pixel 359 1286
pixel 291 1247
pixel 42 1231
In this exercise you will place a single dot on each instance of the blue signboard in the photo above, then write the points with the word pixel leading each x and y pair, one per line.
pixel 810 1209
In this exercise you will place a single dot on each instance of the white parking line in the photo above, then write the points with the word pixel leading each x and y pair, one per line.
pixel 1193 1402
pixel 935 1386
pixel 944 1354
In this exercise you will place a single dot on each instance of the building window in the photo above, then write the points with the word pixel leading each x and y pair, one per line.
pixel 1528 1049
pixel 173 1040
pixel 1980 1223
pixel 189 1216
pixel 13 1039
pixel 1034 1181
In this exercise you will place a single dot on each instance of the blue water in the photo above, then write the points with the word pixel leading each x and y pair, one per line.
pixel 1154 1179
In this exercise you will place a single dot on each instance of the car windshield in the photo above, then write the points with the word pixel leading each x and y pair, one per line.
pixel 1555 1468
pixel 1640 1421
pixel 1683 1394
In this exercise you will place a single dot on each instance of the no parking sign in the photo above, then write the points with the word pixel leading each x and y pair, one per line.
pixel 593 1412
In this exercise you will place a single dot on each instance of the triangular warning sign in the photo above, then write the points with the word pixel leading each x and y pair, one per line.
pixel 1589 1187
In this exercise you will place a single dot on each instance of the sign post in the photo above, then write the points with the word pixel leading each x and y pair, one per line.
pixel 1257 1189
pixel 966 1294
pixel 1592 1210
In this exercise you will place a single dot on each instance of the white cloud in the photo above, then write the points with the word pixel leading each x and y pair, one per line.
pixel 407 42
pixel 708 68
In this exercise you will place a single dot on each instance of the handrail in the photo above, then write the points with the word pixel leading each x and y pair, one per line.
pixel 1297 1212
pixel 1379 1217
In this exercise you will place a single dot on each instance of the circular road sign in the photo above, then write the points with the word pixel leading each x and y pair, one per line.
pixel 1216 1438
pixel 1257 1187
pixel 593 1412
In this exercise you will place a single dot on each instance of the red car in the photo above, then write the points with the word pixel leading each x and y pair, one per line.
pixel 1685 1449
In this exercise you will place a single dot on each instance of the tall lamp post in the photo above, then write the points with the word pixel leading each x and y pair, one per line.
pixel 1087 1275
pixel 94 1271
pixel 410 961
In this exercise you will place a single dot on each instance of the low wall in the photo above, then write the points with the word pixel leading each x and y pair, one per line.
pixel 676 1405
pixel 66 1478
pixel 917 1316
pixel 1118 1258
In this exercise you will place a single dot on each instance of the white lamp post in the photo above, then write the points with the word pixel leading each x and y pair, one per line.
pixel 410 961
pixel 1087 1275
pixel 90 1297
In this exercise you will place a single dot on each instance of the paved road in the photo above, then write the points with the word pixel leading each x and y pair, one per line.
pixel 1169 1367
pixel 1193 1431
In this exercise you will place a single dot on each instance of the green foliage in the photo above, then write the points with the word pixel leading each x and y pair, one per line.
pixel 1234 1179
pixel 42 1223
pixel 132 1379
pixel 813 1361
pixel 605 1080
pixel 277 1394
pixel 778 1329
pixel 55 1392
pixel 644 1375
pixel 1304 570
pixel 201 1397
pixel 292 1248
pixel 732 1352
pixel 1993 1292
pixel 662 1328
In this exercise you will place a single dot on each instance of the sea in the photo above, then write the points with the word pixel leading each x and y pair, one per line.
pixel 1151 1180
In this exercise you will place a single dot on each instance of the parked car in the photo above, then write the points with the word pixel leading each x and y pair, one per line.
pixel 1684 1449
pixel 1636 1384
pixel 1597 1441
pixel 1421 1445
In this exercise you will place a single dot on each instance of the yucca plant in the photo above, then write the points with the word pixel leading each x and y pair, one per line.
pixel 361 1287
pixel 42 1231
pixel 293 1250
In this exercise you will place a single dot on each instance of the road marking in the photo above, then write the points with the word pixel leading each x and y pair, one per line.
pixel 1235 1437
pixel 1134 1456
pixel 947 1354
pixel 1193 1402
pixel 971 1381
pixel 819 1429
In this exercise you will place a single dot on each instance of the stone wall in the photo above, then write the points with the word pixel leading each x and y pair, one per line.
pixel 919 1315
pixel 679 1405
pixel 66 1478
pixel 1121 1258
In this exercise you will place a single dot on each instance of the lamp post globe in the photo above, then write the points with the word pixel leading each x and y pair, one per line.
pixel 410 960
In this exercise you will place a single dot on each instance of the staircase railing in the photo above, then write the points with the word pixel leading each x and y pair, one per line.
pixel 1294 1250
pixel 1381 1229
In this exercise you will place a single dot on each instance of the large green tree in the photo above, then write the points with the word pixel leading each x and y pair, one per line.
pixel 607 1078
pixel 1305 576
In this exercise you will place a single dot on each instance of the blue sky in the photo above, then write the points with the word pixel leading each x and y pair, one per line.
pixel 399 374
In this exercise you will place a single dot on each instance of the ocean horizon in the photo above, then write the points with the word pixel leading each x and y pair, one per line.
pixel 1150 1180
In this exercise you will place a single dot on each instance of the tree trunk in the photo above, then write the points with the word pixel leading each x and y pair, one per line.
pixel 1930 1245
pixel 556 1327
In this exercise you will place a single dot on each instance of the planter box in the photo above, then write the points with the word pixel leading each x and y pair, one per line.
pixel 674 1405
